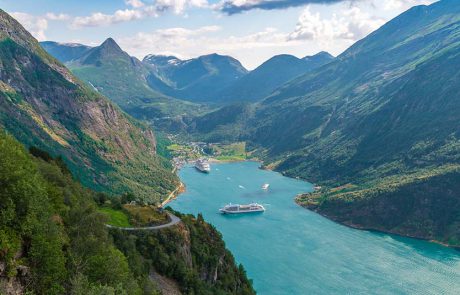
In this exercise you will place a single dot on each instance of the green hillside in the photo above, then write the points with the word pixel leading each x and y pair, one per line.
pixel 376 107
pixel 53 240
pixel 272 74
pixel 43 104
pixel 384 109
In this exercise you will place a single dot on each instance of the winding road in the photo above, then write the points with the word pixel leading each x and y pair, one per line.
pixel 174 220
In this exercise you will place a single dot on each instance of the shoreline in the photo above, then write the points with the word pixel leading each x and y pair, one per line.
pixel 370 229
pixel 217 161
pixel 173 195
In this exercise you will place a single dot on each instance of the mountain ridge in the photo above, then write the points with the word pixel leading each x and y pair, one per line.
pixel 57 112
pixel 65 52
pixel 272 74
pixel 197 79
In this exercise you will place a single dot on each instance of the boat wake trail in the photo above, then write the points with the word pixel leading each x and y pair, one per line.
pixel 242 187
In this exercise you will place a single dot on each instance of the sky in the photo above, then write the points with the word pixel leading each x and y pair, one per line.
pixel 251 31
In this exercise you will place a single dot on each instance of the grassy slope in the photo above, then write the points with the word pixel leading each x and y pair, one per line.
pixel 115 217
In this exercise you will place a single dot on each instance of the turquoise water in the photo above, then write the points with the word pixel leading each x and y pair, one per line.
pixel 290 250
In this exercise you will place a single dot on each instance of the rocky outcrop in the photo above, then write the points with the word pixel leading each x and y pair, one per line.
pixel 13 282
pixel 166 285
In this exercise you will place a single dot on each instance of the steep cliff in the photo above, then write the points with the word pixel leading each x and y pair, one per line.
pixel 197 259
pixel 44 105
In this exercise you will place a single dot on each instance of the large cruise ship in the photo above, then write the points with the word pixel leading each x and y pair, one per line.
pixel 239 209
pixel 202 165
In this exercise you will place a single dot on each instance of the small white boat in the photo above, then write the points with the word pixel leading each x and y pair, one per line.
pixel 239 209
pixel 265 186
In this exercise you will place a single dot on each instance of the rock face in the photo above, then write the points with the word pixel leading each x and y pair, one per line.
pixel 43 104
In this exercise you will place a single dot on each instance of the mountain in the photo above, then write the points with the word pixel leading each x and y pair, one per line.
pixel 120 77
pixel 376 128
pixel 116 74
pixel 199 79
pixel 275 72
pixel 318 60
pixel 343 106
pixel 65 52
pixel 42 104
pixel 227 124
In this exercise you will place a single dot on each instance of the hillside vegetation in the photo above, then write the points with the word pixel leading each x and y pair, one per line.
pixel 53 240
pixel 272 74
pixel 387 108
pixel 42 104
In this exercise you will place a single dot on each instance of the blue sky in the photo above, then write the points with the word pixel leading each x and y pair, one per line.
pixel 249 30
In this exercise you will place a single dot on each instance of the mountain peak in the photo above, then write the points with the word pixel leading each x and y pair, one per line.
pixel 107 51
pixel 109 43
pixel 321 54
pixel 324 54
pixel 282 57
pixel 10 28
pixel 161 60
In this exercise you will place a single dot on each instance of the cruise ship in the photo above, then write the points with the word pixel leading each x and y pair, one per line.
pixel 239 209
pixel 202 165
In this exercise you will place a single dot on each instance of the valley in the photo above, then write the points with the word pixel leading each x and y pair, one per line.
pixel 355 157
pixel 323 119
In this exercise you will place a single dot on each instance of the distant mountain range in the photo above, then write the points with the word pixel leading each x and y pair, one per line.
pixel 44 105
pixel 206 79
pixel 266 78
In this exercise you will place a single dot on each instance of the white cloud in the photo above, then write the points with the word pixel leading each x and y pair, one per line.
pixel 139 10
pixel 57 17
pixel 350 24
pixel 169 40
pixel 187 43
pixel 404 4
pixel 135 3
pixel 314 32
pixel 99 19
pixel 36 25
